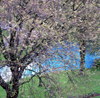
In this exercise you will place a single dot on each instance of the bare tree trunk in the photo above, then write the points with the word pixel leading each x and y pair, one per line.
pixel 12 88
pixel 82 56
pixel 14 93
pixel 40 80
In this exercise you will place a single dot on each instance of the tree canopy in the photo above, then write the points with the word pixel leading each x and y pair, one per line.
pixel 30 29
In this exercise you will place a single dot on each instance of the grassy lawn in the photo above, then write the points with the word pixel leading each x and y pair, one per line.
pixel 62 87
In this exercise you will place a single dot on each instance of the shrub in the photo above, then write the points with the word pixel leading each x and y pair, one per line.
pixel 96 63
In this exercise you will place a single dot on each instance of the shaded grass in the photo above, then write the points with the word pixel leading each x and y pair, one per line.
pixel 62 87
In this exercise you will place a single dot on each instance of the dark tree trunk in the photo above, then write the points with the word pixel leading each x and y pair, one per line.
pixel 14 93
pixel 12 88
pixel 40 79
pixel 82 56
pixel 40 82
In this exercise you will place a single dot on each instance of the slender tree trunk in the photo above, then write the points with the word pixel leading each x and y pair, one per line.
pixel 40 80
pixel 82 56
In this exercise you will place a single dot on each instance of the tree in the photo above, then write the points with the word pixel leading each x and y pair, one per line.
pixel 83 25
pixel 33 27
pixel 26 37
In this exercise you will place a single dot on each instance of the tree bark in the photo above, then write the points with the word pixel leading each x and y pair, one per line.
pixel 14 93
pixel 40 80
pixel 82 56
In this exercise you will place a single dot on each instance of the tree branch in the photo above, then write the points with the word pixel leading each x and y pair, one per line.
pixel 27 81
pixel 2 45
pixel 74 9
pixel 36 74
pixel 28 55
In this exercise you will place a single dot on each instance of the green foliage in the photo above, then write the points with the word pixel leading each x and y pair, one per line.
pixel 97 63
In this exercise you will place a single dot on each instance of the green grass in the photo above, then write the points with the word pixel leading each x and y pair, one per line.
pixel 63 87
pixel 2 93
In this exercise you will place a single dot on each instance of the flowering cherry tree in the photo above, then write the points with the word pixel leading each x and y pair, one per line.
pixel 24 35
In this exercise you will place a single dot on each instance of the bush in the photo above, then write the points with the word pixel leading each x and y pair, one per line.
pixel 96 63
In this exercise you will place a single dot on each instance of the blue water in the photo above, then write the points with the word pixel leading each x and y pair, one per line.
pixel 73 60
